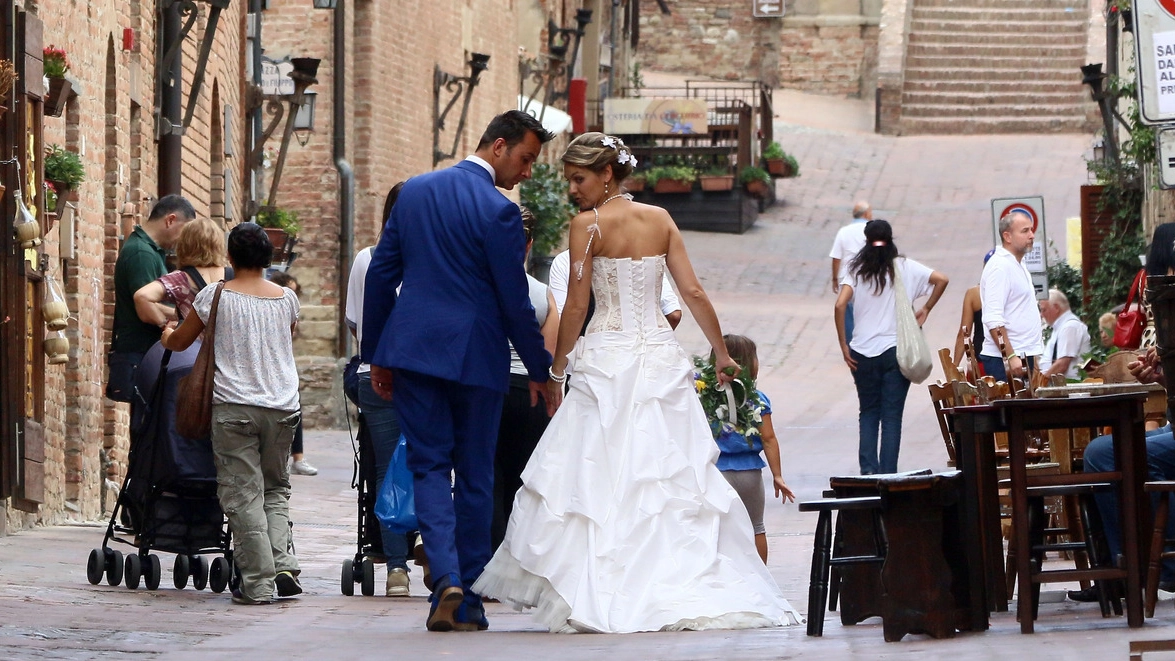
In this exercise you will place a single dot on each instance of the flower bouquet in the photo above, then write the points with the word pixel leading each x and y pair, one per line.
pixel 741 395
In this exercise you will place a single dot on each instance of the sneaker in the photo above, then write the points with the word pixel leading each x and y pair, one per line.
pixel 246 601
pixel 287 584
pixel 303 467
pixel 397 582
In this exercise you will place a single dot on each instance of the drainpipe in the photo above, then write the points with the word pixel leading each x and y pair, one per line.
pixel 171 142
pixel 346 177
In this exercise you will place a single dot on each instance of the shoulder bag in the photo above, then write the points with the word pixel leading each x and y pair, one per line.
pixel 193 418
pixel 914 357
pixel 1132 319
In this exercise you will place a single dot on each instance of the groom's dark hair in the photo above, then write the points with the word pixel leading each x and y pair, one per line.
pixel 512 126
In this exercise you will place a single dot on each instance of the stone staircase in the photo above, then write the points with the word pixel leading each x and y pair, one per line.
pixel 996 66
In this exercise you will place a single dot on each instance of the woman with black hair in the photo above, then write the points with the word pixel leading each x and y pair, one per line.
pixel 872 354
pixel 255 410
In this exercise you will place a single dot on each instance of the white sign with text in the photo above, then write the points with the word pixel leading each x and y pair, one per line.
pixel 1154 42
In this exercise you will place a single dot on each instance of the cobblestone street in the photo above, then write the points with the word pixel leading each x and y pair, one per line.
pixel 771 284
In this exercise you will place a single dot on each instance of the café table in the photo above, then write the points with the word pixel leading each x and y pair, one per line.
pixel 976 458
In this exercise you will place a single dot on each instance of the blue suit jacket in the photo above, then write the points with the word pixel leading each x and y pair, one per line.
pixel 457 245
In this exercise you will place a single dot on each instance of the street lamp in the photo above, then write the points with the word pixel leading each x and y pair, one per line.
pixel 456 85
pixel 303 75
pixel 188 12
pixel 559 42
pixel 1091 74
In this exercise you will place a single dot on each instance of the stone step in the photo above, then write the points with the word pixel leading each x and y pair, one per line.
pixel 945 72
pixel 1028 64
pixel 1023 88
pixel 981 99
pixel 986 125
pixel 977 51
pixel 968 26
pixel 973 111
pixel 1074 38
pixel 990 15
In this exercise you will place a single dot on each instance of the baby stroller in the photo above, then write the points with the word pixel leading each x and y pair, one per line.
pixel 168 498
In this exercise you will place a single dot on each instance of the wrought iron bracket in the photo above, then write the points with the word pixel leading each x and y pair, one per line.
pixel 188 9
pixel 458 87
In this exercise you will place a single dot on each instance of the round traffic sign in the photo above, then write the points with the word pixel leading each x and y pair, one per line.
pixel 1027 210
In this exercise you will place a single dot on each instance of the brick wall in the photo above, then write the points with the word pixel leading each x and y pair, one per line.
pixel 110 124
pixel 710 38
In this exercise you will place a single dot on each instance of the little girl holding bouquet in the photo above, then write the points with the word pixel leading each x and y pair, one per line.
pixel 746 434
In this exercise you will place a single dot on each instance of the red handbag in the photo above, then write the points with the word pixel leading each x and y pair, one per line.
pixel 1132 319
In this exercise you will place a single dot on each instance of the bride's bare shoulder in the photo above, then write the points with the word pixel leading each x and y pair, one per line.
pixel 651 212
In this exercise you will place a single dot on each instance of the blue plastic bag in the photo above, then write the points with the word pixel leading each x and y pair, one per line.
pixel 396 505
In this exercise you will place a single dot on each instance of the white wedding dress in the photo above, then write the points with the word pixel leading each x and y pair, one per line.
pixel 623 522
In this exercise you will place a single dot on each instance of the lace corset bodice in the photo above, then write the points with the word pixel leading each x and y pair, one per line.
pixel 628 294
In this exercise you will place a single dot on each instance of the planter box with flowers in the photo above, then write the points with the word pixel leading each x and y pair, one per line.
pixel 671 178
pixel 717 179
pixel 56 64
pixel 635 182
pixel 756 181
pixel 64 172
pixel 780 163
pixel 282 227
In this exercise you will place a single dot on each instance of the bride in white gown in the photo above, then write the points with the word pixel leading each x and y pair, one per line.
pixel 623 522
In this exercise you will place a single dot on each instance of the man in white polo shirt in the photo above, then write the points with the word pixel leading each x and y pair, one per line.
pixel 1010 313
pixel 1069 340
pixel 848 242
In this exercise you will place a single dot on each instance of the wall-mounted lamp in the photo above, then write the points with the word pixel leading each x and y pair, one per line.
pixel 304 119
pixel 544 74
pixel 1091 74
pixel 325 4
pixel 559 43
pixel 303 75
pixel 455 85
pixel 188 13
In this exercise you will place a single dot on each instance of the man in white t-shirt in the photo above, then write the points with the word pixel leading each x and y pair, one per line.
pixel 1010 313
pixel 848 242
pixel 561 270
pixel 1070 338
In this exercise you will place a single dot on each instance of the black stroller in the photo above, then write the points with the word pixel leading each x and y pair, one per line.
pixel 168 499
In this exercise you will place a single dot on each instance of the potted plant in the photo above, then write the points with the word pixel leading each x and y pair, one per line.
pixel 755 180
pixel 717 178
pixel 545 195
pixel 780 163
pixel 635 182
pixel 282 227
pixel 63 169
pixel 672 178
pixel 55 65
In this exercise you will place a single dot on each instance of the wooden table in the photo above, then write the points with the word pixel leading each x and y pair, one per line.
pixel 974 426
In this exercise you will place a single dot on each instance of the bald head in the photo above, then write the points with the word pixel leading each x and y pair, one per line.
pixel 862 210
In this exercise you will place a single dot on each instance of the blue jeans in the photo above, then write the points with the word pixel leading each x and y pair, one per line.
pixel 881 392
pixel 994 366
pixel 384 427
pixel 1160 461
pixel 849 323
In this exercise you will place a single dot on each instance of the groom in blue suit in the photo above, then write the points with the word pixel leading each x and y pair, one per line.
pixel 456 244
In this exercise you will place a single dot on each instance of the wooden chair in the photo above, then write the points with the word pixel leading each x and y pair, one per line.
pixel 942 397
pixel 1159 542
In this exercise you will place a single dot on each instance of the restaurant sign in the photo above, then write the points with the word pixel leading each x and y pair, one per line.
pixel 1035 260
pixel 275 76
pixel 655 116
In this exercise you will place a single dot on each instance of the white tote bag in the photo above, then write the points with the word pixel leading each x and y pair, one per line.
pixel 914 357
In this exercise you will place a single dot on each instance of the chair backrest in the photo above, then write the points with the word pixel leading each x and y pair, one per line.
pixel 949 369
pixel 943 398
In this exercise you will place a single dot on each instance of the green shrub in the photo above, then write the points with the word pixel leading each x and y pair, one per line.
pixel 279 218
pixel 682 173
pixel 64 166
pixel 545 194
pixel 795 166
pixel 753 173
pixel 773 150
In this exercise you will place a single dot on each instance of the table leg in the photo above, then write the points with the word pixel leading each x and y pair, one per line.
pixel 1016 452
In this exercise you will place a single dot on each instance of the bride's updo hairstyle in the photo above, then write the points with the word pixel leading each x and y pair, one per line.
pixel 596 151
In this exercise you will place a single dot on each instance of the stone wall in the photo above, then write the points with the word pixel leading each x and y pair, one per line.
pixel 712 39
pixel 830 46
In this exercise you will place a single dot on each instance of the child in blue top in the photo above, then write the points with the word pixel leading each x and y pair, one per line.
pixel 739 458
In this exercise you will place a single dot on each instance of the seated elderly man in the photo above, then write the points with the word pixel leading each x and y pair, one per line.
pixel 1069 340
pixel 1160 459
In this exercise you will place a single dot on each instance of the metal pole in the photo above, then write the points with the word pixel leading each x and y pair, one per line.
pixel 171 141
pixel 346 175
pixel 612 51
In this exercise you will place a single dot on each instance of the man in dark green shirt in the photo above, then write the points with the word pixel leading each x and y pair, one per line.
pixel 140 261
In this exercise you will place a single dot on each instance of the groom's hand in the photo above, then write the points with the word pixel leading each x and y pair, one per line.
pixel 543 390
pixel 381 381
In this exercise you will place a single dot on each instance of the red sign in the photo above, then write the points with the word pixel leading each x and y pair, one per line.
pixel 1027 210
pixel 1168 6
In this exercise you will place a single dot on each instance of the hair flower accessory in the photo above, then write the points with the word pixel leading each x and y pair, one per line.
pixel 608 141
pixel 626 157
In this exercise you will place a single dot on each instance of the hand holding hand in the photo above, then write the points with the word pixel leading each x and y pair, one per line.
pixel 553 395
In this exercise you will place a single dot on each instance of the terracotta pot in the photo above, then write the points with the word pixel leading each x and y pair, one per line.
pixel 57 349
pixel 777 167
pixel 757 188
pixel 282 243
pixel 58 96
pixel 719 182
pixel 672 186
pixel 634 185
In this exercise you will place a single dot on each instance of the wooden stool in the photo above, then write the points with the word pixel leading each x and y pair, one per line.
pixel 822 560
pixel 1159 541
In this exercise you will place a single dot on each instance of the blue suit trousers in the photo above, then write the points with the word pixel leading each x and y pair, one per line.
pixel 451 428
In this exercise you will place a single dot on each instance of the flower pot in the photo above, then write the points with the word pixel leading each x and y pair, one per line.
pixel 57 349
pixel 58 96
pixel 282 243
pixel 719 182
pixel 634 185
pixel 672 186
pixel 778 167
pixel 757 188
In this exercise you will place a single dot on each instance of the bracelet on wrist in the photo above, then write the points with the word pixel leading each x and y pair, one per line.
pixel 557 378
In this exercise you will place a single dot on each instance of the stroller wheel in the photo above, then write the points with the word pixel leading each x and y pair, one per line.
pixel 95 566
pixel 368 568
pixel 113 567
pixel 133 571
pixel 199 572
pixel 218 575
pixel 348 581
pixel 152 572
pixel 179 572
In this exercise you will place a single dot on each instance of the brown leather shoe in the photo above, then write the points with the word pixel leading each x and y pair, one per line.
pixel 446 599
